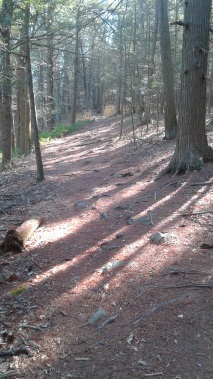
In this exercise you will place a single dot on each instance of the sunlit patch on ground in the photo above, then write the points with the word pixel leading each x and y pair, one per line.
pixel 90 256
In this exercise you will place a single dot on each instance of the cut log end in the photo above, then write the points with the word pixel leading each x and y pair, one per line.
pixel 15 239
pixel 12 242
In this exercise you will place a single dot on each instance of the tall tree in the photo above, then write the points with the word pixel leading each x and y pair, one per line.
pixel 23 142
pixel 40 173
pixel 50 72
pixel 7 119
pixel 120 60
pixel 192 147
pixel 151 63
pixel 167 70
pixel 75 73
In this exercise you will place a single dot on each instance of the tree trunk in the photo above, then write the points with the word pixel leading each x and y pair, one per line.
pixel 143 47
pixel 75 74
pixel 40 173
pixel 23 109
pixel 210 96
pixel 151 63
pixel 1 113
pixel 41 99
pixel 99 88
pixel 50 72
pixel 65 87
pixel 167 71
pixel 7 119
pixel 192 147
pixel 120 63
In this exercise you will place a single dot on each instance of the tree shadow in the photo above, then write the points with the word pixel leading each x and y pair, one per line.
pixel 162 320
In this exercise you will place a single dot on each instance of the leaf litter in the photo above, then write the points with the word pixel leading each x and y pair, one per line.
pixel 144 286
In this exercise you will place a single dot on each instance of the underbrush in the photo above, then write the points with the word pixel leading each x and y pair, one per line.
pixel 61 130
pixel 109 110
pixel 58 132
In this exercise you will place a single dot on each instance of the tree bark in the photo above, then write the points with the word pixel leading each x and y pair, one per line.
pixel 23 108
pixel 151 63
pixel 40 173
pixel 50 72
pixel 7 119
pixel 75 74
pixel 192 147
pixel 167 71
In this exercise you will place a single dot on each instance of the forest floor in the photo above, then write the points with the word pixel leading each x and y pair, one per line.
pixel 100 299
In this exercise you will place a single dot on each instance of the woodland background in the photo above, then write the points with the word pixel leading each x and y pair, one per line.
pixel 63 61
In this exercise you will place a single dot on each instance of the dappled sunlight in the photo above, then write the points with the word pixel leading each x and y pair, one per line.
pixel 54 270
pixel 66 273
pixel 54 233
pixel 168 198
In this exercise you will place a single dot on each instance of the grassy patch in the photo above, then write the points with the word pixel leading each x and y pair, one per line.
pixel 17 291
pixel 61 130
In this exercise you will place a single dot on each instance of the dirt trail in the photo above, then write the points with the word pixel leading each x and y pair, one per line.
pixel 101 300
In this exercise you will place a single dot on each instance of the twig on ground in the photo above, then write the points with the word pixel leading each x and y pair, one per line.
pixel 38 328
pixel 154 374
pixel 7 374
pixel 108 321
pixel 158 307
pixel 182 271
pixel 204 355
pixel 195 213
pixel 14 351
pixel 191 285
pixel 202 184
pixel 4 263
pixel 206 246
pixel 67 174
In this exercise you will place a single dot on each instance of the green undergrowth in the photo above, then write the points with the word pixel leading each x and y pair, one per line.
pixel 15 153
pixel 58 132
pixel 61 130
pixel 17 291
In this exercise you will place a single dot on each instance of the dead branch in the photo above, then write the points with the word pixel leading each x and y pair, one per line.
pixel 15 351
pixel 182 271
pixel 179 22
pixel 108 321
pixel 15 239
pixel 191 285
pixel 158 307
pixel 206 246
pixel 195 213
pixel 7 374
pixel 34 327
pixel 201 184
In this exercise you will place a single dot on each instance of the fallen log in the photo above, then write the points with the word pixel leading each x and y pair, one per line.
pixel 15 239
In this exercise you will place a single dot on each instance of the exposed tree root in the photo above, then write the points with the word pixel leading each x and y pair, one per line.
pixel 192 161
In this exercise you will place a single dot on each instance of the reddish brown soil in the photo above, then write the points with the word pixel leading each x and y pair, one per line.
pixel 159 300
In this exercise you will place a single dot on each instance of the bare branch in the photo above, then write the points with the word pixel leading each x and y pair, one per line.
pixel 181 23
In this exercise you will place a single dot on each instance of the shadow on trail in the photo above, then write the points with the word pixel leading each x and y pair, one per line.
pixel 162 321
